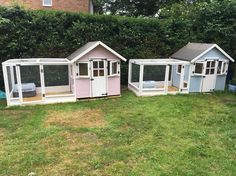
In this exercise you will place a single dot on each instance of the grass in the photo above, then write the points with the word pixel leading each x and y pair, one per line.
pixel 191 134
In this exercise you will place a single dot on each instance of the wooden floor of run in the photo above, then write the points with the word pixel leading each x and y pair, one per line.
pixel 38 97
pixel 172 89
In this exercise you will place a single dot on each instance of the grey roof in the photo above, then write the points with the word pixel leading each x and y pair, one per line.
pixel 81 50
pixel 191 51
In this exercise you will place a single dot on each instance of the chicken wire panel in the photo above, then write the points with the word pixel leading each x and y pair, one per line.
pixel 30 83
pixel 30 74
pixel 56 75
pixel 135 73
pixel 154 73
pixel 12 81
pixel 154 76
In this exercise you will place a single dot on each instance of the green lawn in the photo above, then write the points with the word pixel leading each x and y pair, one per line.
pixel 191 134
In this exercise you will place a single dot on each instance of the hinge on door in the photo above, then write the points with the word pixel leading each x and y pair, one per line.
pixel 77 64
pixel 105 94
pixel 77 74
pixel 41 70
pixel 43 95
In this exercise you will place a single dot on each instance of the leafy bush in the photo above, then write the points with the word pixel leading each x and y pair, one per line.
pixel 27 34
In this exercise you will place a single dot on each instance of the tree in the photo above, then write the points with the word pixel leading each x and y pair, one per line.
pixel 135 7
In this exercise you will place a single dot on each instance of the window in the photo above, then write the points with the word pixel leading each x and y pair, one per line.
pixel 47 2
pixel 179 68
pixel 198 68
pixel 98 68
pixel 210 67
pixel 113 68
pixel 222 67
pixel 83 69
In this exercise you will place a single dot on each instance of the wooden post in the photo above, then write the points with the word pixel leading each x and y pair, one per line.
pixel 181 78
pixel 189 76
pixel 166 84
pixel 141 79
pixel 12 76
pixel 69 76
pixel 6 83
pixel 18 76
pixel 74 77
pixel 130 72
pixel 43 91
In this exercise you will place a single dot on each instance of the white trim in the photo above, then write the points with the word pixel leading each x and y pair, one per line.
pixel 181 78
pixel 12 76
pixel 43 90
pixel 141 79
pixel 47 5
pixel 74 79
pixel 158 61
pixel 94 46
pixel 166 83
pixel 37 61
pixel 189 76
pixel 18 75
pixel 214 46
pixel 129 72
pixel 6 83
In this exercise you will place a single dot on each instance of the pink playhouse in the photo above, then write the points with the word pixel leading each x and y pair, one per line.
pixel 91 71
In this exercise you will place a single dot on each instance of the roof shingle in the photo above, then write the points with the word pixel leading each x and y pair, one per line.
pixel 191 51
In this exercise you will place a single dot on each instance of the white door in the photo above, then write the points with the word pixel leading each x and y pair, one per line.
pixel 209 79
pixel 98 78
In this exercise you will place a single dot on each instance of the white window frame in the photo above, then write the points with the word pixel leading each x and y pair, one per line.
pixel 118 68
pixel 203 69
pixel 77 70
pixel 47 5
pixel 221 69
pixel 178 73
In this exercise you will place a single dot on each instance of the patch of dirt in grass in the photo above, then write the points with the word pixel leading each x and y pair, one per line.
pixel 2 133
pixel 229 101
pixel 72 150
pixel 81 141
pixel 14 113
pixel 76 118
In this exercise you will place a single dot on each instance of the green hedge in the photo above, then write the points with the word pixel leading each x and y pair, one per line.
pixel 26 34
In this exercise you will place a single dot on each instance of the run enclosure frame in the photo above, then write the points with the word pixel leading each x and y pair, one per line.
pixel 140 91
pixel 40 62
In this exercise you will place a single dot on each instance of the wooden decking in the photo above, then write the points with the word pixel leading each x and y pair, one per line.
pixel 38 97
pixel 172 89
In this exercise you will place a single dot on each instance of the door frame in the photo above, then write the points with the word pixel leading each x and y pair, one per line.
pixel 91 59
pixel 204 71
